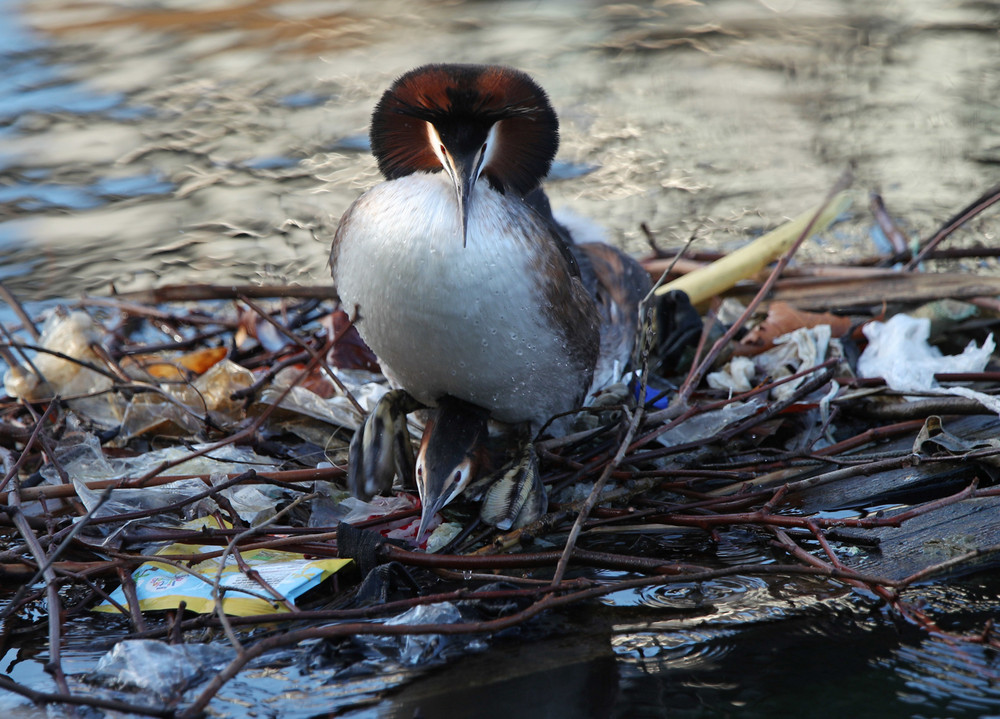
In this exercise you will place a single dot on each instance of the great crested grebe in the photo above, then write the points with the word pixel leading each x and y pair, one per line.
pixel 476 301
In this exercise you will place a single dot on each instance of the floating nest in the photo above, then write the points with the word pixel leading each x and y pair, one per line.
pixel 165 431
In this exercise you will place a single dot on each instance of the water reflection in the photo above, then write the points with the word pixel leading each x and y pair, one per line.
pixel 959 679
pixel 36 194
pixel 763 673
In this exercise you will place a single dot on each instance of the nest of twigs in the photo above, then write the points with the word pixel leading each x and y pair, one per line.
pixel 774 458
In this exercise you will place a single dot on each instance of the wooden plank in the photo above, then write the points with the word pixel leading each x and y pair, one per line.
pixel 942 534
pixel 905 485
pixel 969 529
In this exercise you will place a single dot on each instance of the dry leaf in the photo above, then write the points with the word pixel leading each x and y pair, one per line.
pixel 781 319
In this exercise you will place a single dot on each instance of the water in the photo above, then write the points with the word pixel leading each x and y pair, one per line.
pixel 175 142
pixel 151 144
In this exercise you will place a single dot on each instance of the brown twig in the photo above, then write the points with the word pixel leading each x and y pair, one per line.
pixel 977 206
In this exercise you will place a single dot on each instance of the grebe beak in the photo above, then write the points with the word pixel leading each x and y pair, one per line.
pixel 464 169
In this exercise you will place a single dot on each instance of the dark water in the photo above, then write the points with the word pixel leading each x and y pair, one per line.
pixel 738 647
pixel 174 142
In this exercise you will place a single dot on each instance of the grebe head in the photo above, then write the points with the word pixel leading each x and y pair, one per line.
pixel 450 454
pixel 470 121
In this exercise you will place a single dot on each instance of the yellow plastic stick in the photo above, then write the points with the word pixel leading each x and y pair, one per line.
pixel 747 261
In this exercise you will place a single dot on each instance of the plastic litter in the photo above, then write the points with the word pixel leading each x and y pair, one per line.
pixel 83 458
pixel 414 649
pixel 337 410
pixel 737 376
pixel 180 408
pixel 164 586
pixel 792 352
pixel 358 510
pixel 353 510
pixel 164 670
pixel 899 352
pixel 708 424
pixel 72 334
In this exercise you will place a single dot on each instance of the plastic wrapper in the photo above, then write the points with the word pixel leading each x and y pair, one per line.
pixel 216 387
pixel 704 426
pixel 736 377
pixel 326 508
pixel 793 352
pixel 114 502
pixel 181 407
pixel 338 506
pixel 81 455
pixel 166 414
pixel 163 586
pixel 416 649
pixel 441 536
pixel 164 670
pixel 358 510
pixel 178 408
pixel 254 503
pixel 337 410
pixel 73 335
pixel 899 352
pixel 84 460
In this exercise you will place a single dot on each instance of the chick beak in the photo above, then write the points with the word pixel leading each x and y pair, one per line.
pixel 439 491
pixel 449 456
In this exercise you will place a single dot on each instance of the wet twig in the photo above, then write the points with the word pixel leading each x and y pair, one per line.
pixel 984 201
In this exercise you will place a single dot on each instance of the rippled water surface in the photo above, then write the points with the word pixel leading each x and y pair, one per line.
pixel 148 143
